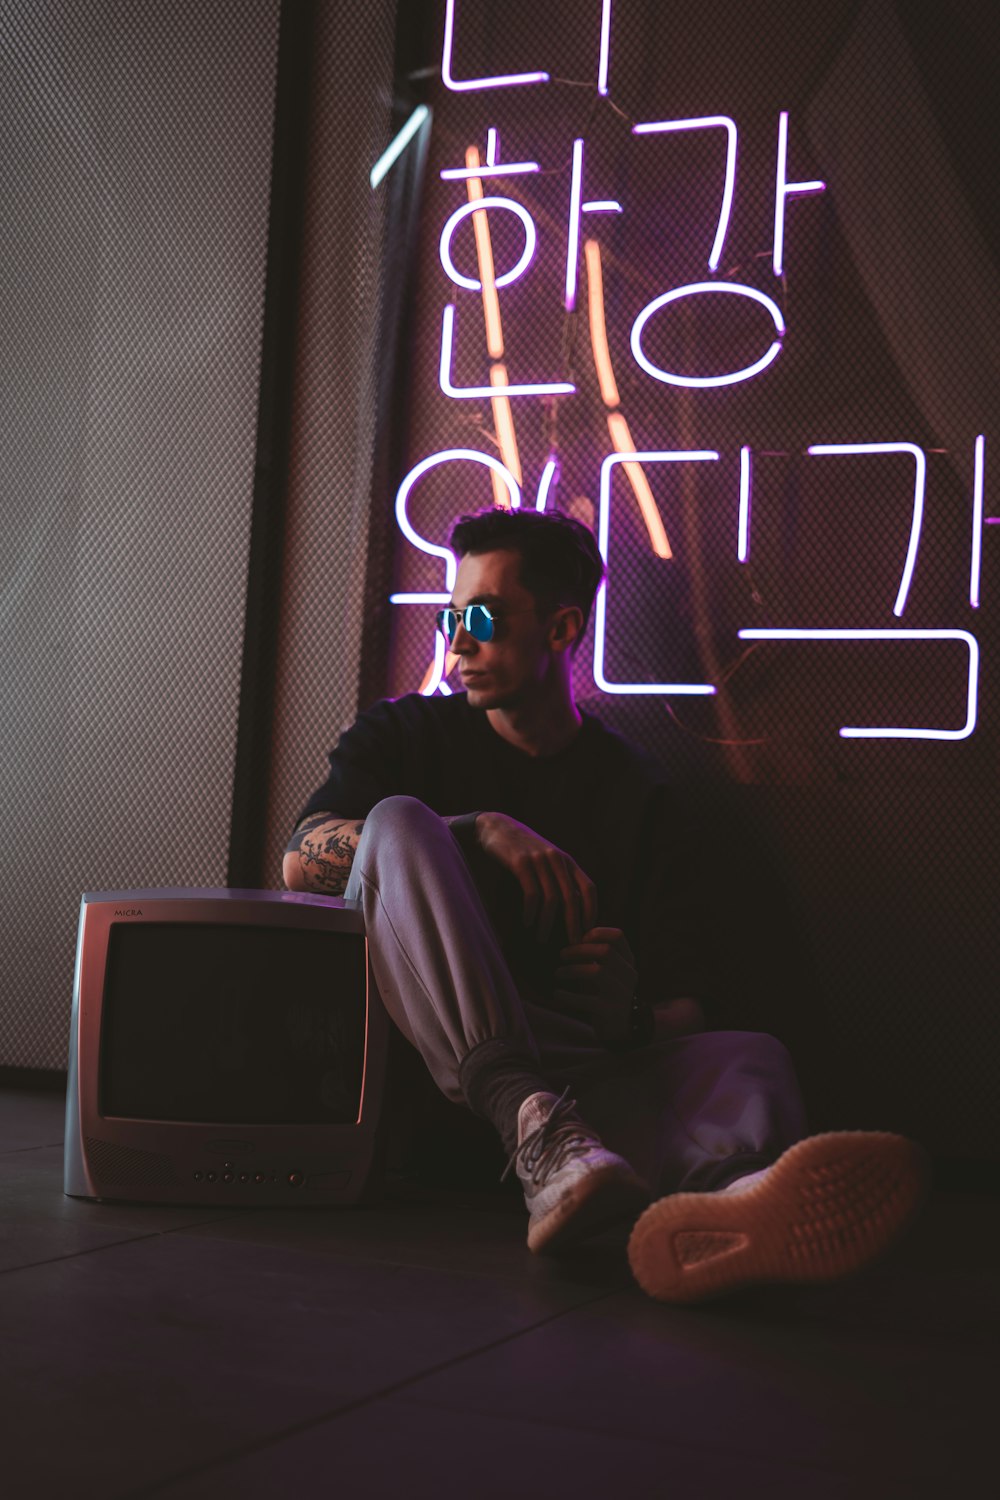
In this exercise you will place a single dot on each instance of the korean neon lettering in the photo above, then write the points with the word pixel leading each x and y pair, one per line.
pixel 447 455
pixel 494 167
pixel 919 483
pixel 477 392
pixel 977 520
pixel 706 122
pixel 707 288
pixel 600 614
pixel 784 190
pixel 604 61
pixel 743 526
pixel 468 84
pixel 547 482
pixel 856 732
pixel 573 238
pixel 463 212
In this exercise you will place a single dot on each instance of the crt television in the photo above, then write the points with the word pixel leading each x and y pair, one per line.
pixel 226 1047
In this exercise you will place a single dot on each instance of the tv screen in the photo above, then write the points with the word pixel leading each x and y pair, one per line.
pixel 213 1022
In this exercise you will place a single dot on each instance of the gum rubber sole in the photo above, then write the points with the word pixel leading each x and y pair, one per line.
pixel 829 1205
pixel 597 1202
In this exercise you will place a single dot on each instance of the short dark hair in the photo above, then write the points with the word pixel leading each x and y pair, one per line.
pixel 560 560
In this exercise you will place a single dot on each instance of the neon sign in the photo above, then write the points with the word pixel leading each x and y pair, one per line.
pixel 706 122
pixel 853 733
pixel 477 204
pixel 600 604
pixel 469 84
pixel 707 288
pixel 783 190
pixel 613 376
pixel 920 480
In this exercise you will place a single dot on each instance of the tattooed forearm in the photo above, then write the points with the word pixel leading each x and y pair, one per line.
pixel 305 827
pixel 322 849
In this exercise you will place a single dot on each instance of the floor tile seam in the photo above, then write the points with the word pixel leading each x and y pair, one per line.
pixel 52 1260
pixel 191 1231
pixel 298 1429
pixel 20 1150
pixel 369 1258
pixel 389 1263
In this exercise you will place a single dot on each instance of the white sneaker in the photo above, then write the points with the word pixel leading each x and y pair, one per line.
pixel 829 1206
pixel 573 1186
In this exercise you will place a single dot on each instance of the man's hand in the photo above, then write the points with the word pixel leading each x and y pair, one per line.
pixel 552 882
pixel 597 977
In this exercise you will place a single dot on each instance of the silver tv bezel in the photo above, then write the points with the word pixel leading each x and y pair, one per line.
pixel 156 1161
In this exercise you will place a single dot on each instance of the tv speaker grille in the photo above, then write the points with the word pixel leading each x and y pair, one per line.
pixel 125 1166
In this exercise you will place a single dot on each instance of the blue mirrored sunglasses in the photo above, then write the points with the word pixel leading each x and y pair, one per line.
pixel 477 619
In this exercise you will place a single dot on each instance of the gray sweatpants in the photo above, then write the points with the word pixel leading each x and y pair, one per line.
pixel 454 971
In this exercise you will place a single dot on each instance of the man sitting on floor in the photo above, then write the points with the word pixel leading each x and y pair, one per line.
pixel 531 929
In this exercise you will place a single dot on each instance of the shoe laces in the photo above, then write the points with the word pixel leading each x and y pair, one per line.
pixel 553 1143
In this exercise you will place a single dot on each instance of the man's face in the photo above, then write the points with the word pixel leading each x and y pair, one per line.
pixel 513 666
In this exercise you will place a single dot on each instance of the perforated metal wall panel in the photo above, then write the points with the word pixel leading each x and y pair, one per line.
pixel 135 151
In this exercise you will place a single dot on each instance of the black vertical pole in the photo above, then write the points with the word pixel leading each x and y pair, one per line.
pixel 415 37
pixel 289 164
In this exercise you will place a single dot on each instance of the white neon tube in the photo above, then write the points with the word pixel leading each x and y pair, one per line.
pixel 505 169
pixel 977 521
pixel 706 122
pixel 600 614
pixel 437 675
pixel 605 59
pixel 432 462
pixel 727 288
pixel 917 453
pixel 546 483
pixel 468 84
pixel 743 538
pixel 419 598
pixel 573 241
pixel 397 146
pixel 477 392
pixel 463 212
pixel 851 731
pixel 784 189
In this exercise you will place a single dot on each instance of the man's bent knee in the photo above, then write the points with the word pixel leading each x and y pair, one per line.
pixel 402 826
pixel 399 815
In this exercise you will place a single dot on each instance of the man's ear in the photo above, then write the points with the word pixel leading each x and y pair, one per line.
pixel 566 627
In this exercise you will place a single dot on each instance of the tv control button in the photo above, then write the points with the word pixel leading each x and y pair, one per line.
pixel 244 1176
pixel 260 1177
pixel 198 1176
pixel 296 1179
pixel 229 1177
pixel 211 1176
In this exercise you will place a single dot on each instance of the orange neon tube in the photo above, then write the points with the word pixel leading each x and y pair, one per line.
pixel 503 417
pixel 618 429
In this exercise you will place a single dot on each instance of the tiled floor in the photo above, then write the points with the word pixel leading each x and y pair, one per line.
pixel 418 1349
